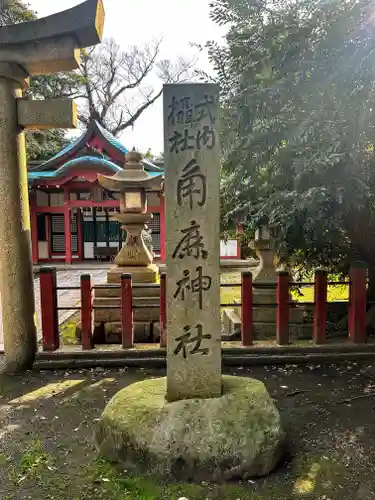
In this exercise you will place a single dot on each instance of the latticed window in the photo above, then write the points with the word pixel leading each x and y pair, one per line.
pixel 154 225
pixel 58 233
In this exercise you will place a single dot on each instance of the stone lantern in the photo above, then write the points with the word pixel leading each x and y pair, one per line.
pixel 132 183
pixel 131 186
pixel 266 273
pixel 264 314
pixel 262 244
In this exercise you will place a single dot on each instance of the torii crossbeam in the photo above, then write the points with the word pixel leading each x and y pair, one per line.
pixel 43 46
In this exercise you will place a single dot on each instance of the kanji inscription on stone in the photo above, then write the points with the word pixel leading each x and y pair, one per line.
pixel 197 284
pixel 191 185
pixel 192 178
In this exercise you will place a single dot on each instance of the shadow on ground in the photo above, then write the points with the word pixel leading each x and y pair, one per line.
pixel 48 418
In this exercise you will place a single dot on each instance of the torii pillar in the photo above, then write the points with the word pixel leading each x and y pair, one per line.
pixel 44 46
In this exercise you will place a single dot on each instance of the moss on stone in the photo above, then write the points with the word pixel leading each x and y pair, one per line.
pixel 238 435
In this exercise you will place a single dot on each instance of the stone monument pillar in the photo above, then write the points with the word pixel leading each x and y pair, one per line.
pixel 43 46
pixel 194 433
pixel 192 179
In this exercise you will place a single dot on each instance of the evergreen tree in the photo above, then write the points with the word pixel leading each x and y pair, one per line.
pixel 298 125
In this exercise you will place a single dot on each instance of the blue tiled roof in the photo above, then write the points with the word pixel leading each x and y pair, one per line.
pixel 154 174
pixel 111 139
pixel 85 162
pixel 41 175
pixel 117 144
pixel 62 152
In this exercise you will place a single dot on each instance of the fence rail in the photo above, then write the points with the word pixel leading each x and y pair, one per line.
pixel 283 305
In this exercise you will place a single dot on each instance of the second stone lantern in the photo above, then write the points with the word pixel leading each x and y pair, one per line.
pixel 132 183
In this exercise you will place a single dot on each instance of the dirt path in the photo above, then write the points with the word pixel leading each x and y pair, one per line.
pixel 48 420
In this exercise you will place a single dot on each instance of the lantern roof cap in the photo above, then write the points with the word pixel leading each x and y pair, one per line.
pixel 132 175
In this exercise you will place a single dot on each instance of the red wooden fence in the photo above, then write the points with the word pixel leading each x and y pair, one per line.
pixel 163 317
pixel 48 300
pixel 282 312
pixel 86 312
pixel 247 327
pixel 127 311
pixel 356 308
pixel 320 299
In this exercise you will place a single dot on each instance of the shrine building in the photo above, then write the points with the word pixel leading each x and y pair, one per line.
pixel 71 213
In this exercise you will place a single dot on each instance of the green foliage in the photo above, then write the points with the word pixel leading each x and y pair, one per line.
pixel 33 460
pixel 15 11
pixel 298 121
pixel 56 86
pixel 118 486
pixel 42 144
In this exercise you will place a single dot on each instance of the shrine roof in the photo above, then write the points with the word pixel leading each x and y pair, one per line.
pixel 83 162
pixel 113 147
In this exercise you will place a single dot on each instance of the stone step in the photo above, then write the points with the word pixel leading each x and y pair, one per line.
pixel 231 321
pixel 232 317
pixel 143 332
pixel 116 301
pixel 266 328
pixel 150 310
pixel 140 274
pixel 138 291
pixel 268 315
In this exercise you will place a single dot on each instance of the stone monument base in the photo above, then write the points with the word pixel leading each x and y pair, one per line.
pixel 265 325
pixel 264 319
pixel 107 322
pixel 263 330
pixel 237 435
pixel 140 274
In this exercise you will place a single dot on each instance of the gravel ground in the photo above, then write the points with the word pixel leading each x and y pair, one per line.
pixel 47 421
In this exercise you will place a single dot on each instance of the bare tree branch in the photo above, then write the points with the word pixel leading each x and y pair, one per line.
pixel 120 85
pixel 137 114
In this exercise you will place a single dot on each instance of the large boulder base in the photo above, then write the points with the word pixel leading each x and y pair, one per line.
pixel 237 435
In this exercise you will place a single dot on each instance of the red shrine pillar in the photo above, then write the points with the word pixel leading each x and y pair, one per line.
pixel 68 236
pixel 162 227
pixel 80 235
pixel 49 235
pixel 34 230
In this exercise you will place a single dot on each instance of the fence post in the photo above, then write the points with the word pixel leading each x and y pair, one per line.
pixel 127 311
pixel 247 327
pixel 163 317
pixel 86 312
pixel 282 313
pixel 357 306
pixel 320 308
pixel 48 306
